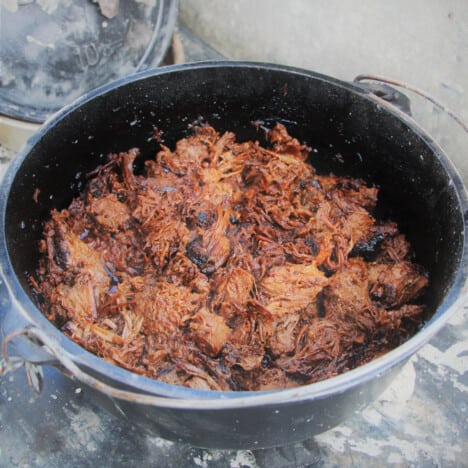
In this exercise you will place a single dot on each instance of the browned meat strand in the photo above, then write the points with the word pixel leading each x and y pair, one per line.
pixel 229 266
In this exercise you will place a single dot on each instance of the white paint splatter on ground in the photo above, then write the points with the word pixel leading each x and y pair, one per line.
pixel 392 403
pixel 243 458
pixel 451 363
pixel 199 462
pixel 160 442
pixel 402 426
pixel 85 425
pixel 207 458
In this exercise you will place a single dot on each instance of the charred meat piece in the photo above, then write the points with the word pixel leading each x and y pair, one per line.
pixel 210 248
pixel 396 284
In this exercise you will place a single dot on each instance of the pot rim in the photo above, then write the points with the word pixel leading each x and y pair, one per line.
pixel 173 396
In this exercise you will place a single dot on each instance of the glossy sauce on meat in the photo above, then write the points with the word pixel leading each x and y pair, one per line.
pixel 229 266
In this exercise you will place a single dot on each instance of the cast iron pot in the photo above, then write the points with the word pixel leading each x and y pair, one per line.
pixel 354 133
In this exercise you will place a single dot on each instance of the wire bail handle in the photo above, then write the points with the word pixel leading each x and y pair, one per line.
pixel 423 94
pixel 34 372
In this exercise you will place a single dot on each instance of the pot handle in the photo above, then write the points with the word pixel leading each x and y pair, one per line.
pixel 24 344
pixel 72 370
pixel 423 94
pixel 19 347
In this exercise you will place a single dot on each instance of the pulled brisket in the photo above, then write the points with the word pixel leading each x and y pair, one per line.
pixel 228 266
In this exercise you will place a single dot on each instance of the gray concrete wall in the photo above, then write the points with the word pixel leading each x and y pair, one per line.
pixel 422 42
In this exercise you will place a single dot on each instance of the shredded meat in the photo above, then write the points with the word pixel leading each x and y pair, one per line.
pixel 229 266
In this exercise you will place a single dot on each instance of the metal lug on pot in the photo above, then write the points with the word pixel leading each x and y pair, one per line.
pixel 9 363
pixel 396 98
pixel 387 93
pixel 19 345
pixel 17 332
pixel 35 376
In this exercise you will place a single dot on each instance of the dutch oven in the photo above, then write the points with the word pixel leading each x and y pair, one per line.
pixel 419 189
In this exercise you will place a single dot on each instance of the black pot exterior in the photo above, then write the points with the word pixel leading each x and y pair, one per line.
pixel 351 134
pixel 281 422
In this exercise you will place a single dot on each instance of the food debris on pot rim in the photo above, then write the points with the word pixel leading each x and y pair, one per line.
pixel 229 266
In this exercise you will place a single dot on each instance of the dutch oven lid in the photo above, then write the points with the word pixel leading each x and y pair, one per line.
pixel 53 51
